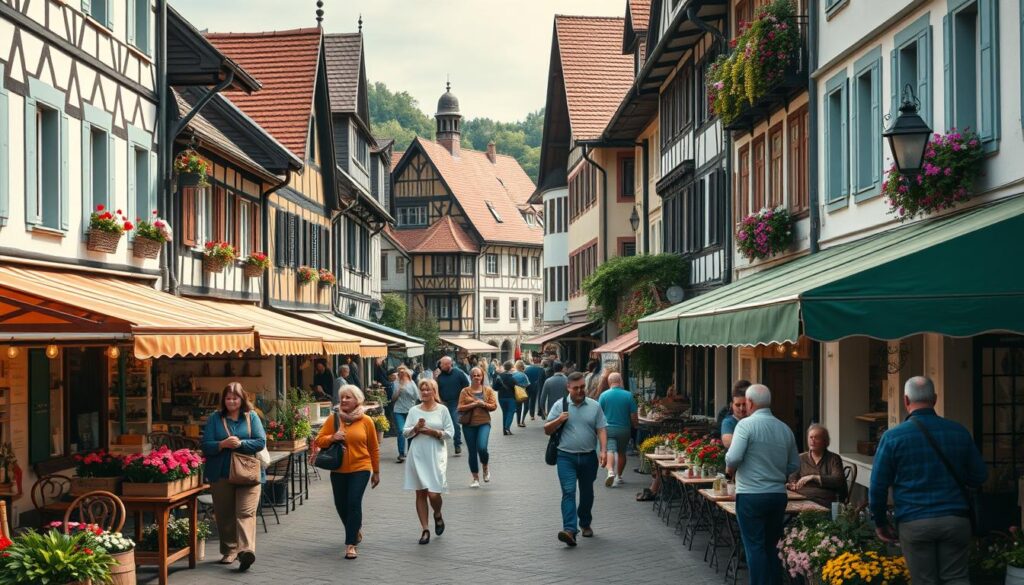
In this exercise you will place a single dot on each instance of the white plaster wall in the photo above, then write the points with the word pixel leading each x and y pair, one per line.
pixel 556 254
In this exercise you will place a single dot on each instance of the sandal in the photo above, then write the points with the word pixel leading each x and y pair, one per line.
pixel 438 525
pixel 646 496
pixel 425 537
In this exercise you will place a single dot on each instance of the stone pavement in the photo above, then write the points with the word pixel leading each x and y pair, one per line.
pixel 504 532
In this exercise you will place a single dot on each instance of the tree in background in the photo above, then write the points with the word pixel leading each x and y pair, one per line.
pixel 421 324
pixel 395 313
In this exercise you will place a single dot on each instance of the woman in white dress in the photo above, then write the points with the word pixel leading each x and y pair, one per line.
pixel 427 426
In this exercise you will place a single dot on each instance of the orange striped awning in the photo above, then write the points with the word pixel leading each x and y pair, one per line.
pixel 370 343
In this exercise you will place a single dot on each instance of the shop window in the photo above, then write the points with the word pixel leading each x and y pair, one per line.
pixel 999 416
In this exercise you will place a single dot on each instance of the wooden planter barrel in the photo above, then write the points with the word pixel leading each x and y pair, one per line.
pixel 123 573
pixel 101 241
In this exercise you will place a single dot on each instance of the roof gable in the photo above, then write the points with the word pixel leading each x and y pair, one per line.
pixel 638 17
pixel 346 74
pixel 287 64
pixel 444 236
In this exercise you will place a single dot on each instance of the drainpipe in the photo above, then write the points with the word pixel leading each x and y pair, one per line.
pixel 163 146
pixel 645 204
pixel 812 127
pixel 265 229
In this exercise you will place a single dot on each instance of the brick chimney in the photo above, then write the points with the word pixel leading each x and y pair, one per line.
pixel 492 152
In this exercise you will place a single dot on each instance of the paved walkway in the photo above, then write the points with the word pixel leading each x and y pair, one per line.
pixel 502 533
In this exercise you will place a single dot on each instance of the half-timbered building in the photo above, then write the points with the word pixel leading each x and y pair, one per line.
pixel 473 241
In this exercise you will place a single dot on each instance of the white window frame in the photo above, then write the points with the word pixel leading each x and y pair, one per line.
pixel 513 309
pixel 204 216
pixel 244 212
pixel 492 265
pixel 513 266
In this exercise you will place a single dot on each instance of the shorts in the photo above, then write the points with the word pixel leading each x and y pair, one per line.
pixel 618 439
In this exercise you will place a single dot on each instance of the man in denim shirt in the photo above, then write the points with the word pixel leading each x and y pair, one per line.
pixel 931 509
pixel 762 455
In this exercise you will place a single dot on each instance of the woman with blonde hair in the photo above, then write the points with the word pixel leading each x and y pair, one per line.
pixel 476 403
pixel 405 397
pixel 233 428
pixel 428 427
pixel 359 466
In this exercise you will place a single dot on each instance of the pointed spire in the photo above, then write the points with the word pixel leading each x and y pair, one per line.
pixel 360 22
pixel 319 13
pixel 448 82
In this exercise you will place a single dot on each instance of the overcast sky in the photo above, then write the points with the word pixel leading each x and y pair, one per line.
pixel 497 52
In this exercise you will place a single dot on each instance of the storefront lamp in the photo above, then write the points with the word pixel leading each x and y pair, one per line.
pixel 634 220
pixel 795 353
pixel 781 348
pixel 12 351
pixel 378 311
pixel 908 136
pixel 113 352
pixel 51 351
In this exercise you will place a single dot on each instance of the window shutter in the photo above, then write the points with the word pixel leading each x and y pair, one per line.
pixel 236 236
pixel 218 215
pixel 153 187
pixel 845 150
pixel 87 163
pixel 110 14
pixel 256 241
pixel 280 237
pixel 876 124
pixel 293 240
pixel 86 7
pixel 131 180
pixel 110 195
pixel 65 172
pixel 894 83
pixel 924 76
pixel 131 21
pixel 325 250
pixel 188 216
pixel 988 37
pixel 314 246
pixel 947 68
pixel 32 217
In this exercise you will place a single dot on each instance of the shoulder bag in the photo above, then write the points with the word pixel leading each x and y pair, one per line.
pixel 243 469
pixel 332 457
pixel 521 394
pixel 970 494
pixel 466 417
pixel 551 453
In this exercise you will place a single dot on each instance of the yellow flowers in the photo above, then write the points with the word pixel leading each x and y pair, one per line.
pixel 867 568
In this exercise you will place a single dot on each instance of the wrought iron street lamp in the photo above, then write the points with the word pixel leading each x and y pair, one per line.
pixel 378 311
pixel 908 136
pixel 634 220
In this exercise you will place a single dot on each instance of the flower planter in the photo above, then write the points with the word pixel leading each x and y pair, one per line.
pixel 84 485
pixel 189 179
pixel 325 284
pixel 294 445
pixel 1014 575
pixel 201 553
pixel 251 271
pixel 123 573
pixel 101 241
pixel 146 248
pixel 214 264
pixel 160 490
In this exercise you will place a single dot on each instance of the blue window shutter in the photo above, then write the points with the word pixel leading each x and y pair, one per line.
pixel 110 14
pixel 876 124
pixel 5 153
pixel 86 7
pixel 153 186
pixel 130 11
pixel 844 112
pixel 828 159
pixel 65 172
pixel 856 148
pixel 947 68
pixel 87 163
pixel 32 216
pixel 130 208
pixel 894 85
pixel 924 72
pixel 109 197
pixel 988 38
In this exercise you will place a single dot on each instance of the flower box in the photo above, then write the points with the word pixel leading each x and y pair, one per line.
pixel 160 490
pixel 189 179
pixel 84 485
pixel 101 241
pixel 290 446
pixel 146 248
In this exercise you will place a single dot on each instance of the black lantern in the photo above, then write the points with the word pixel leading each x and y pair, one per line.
pixel 378 311
pixel 634 219
pixel 908 136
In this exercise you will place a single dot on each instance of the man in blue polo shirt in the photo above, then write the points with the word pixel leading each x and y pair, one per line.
pixel 620 410
pixel 450 383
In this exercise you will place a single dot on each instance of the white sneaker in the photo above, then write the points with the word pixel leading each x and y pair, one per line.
pixel 610 480
pixel 487 476
pixel 619 481
pixel 475 484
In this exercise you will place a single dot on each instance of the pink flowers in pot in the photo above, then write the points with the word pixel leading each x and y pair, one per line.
pixel 764 234
pixel 154 228
pixel 952 162
pixel 99 463
pixel 162 465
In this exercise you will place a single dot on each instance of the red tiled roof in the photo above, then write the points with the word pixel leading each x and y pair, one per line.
pixel 396 155
pixel 640 14
pixel 476 182
pixel 286 63
pixel 597 75
pixel 443 236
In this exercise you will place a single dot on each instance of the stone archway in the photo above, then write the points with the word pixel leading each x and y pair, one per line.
pixel 506 350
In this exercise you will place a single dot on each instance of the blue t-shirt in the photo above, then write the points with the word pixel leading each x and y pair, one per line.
pixel 729 424
pixel 618 404
pixel 579 433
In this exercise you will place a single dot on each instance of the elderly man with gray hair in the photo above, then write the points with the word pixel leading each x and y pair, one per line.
pixel 762 456
pixel 930 463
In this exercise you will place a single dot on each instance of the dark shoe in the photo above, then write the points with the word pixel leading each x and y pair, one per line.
pixel 588 532
pixel 523 425
pixel 567 537
pixel 458 450
pixel 245 560
pixel 425 537
pixel 351 554
pixel 438 525
pixel 646 496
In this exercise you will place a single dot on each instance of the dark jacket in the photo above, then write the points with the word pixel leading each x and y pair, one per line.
pixel 505 384
pixel 450 385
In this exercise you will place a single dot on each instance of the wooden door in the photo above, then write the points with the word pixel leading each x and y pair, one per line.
pixel 785 379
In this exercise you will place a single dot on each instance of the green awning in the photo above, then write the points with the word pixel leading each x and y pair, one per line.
pixel 958 275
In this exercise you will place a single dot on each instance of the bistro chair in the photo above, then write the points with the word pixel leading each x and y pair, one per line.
pixel 850 473
pixel 47 493
pixel 98 507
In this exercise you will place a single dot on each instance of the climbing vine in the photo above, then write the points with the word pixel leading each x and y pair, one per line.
pixel 627 288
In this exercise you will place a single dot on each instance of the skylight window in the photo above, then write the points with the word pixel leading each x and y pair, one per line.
pixel 494 212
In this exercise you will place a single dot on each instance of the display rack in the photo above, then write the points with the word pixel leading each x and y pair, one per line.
pixel 138 397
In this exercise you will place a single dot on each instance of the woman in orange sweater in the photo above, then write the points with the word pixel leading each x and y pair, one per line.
pixel 361 464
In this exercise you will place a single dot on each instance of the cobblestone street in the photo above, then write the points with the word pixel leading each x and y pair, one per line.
pixel 502 533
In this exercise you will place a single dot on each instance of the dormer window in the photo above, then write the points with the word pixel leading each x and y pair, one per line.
pixel 494 212
pixel 529 218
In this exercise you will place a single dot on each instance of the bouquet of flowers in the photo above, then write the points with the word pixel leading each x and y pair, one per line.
pixel 307 275
pixel 156 229
pixel 102 220
pixel 865 568
pixel 99 463
pixel 381 423
pixel 326 277
pixel 764 234
pixel 162 465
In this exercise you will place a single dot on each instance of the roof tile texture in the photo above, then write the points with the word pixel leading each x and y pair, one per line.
pixel 286 63
pixel 443 236
pixel 342 53
pixel 640 14
pixel 597 75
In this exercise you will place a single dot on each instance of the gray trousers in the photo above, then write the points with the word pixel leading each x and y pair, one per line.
pixel 937 550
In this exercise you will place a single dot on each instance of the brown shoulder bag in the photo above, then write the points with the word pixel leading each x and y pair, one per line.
pixel 244 469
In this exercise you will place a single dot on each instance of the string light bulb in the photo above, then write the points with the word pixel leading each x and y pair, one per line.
pixel 795 353
pixel 781 348
pixel 113 352
pixel 51 351
pixel 12 351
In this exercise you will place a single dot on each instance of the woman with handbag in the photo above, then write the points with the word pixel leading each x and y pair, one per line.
pixel 232 439
pixel 476 403
pixel 406 396
pixel 505 383
pixel 428 427
pixel 523 382
pixel 359 465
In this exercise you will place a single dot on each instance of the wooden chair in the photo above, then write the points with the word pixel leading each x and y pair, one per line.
pixel 47 491
pixel 850 473
pixel 98 507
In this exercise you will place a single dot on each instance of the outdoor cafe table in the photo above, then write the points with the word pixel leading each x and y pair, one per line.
pixel 298 474
pixel 708 510
pixel 690 504
pixel 665 464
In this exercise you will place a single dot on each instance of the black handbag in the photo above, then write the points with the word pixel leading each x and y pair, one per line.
pixel 970 494
pixel 331 457
pixel 551 453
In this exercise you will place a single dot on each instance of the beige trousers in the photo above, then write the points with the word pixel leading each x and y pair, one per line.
pixel 235 508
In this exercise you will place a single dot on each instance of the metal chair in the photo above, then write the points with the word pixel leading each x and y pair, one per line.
pixel 98 507
pixel 850 473
pixel 47 490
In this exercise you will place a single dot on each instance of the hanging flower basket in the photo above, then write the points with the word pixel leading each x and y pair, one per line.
pixel 952 162
pixel 764 234
pixel 100 241
pixel 214 265
pixel 252 271
pixel 217 255
pixel 326 278
pixel 307 275
pixel 191 169
pixel 146 248
pixel 106 229
pixel 255 265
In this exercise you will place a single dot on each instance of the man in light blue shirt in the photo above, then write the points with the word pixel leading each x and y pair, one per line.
pixel 620 410
pixel 762 455
pixel 583 427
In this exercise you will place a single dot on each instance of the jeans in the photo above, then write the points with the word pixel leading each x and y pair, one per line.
pixel 576 468
pixel 937 549
pixel 761 518
pixel 531 400
pixel 399 425
pixel 348 491
pixel 508 410
pixel 453 409
pixel 476 440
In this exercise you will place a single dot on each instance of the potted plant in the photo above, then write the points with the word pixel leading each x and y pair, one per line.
pixel 217 255
pixel 952 162
pixel 865 568
pixel 381 423
pixel 307 275
pixel 161 473
pixel 106 229
pixel 191 169
pixel 177 536
pixel 117 545
pixel 255 264
pixel 150 236
pixel 98 470
pixel 55 557
pixel 711 457
pixel 764 234
pixel 326 277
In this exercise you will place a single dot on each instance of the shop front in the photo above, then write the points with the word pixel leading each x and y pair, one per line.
pixel 571 343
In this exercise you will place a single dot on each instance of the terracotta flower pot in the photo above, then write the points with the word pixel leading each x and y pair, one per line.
pixel 101 241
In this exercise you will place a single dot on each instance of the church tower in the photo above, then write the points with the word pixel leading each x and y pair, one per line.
pixel 449 121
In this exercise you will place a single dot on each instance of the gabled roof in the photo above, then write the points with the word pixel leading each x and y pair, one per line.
pixel 597 75
pixel 389 233
pixel 443 236
pixel 396 156
pixel 487 191
pixel 285 62
pixel 638 16
pixel 346 74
